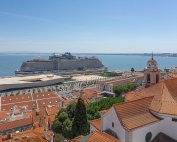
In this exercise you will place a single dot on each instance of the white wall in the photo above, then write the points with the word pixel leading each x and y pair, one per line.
pixel 110 117
pixel 166 126
pixel 169 127
pixel 138 135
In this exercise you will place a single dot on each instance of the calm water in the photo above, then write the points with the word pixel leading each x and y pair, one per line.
pixel 10 62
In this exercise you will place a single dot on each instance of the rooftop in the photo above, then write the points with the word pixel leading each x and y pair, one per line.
pixel 135 114
pixel 87 77
pixel 15 124
pixel 99 136
pixel 165 97
pixel 96 123
pixel 96 136
pixel 28 79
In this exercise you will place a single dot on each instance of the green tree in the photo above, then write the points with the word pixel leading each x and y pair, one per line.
pixel 132 70
pixel 67 128
pixel 71 110
pixel 62 117
pixel 80 124
pixel 106 103
pixel 57 126
pixel 59 120
pixel 119 90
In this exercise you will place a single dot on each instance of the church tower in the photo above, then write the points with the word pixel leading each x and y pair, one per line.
pixel 151 73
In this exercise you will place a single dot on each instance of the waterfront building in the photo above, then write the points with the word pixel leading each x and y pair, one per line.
pixel 108 85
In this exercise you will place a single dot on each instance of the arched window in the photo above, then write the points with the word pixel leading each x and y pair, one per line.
pixel 148 78
pixel 148 137
pixel 157 78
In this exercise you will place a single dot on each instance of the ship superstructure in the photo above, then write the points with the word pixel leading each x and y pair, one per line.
pixel 60 63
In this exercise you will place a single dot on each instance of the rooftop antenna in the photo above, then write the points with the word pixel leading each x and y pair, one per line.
pixel 152 56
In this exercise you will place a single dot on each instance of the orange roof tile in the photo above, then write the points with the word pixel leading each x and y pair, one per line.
pixel 165 96
pixel 53 110
pixel 43 95
pixel 30 105
pixel 14 124
pixel 99 136
pixel 3 115
pixel 147 92
pixel 135 114
pixel 104 111
pixel 48 101
pixel 16 98
pixel 96 123
pixel 29 136
pixel 77 139
pixel 166 101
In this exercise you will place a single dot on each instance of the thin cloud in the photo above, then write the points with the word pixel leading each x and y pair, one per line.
pixel 26 17
pixel 34 18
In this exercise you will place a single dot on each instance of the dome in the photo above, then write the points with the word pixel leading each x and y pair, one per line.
pixel 152 64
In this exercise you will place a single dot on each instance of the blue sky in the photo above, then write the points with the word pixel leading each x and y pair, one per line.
pixel 88 26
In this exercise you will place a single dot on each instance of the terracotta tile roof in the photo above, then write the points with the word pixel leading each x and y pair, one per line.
pixel 16 98
pixel 49 101
pixel 147 92
pixel 99 136
pixel 165 96
pixel 166 101
pixel 104 111
pixel 87 91
pixel 43 95
pixel 53 110
pixel 50 118
pixel 69 101
pixel 30 105
pixel 77 139
pixel 135 114
pixel 88 94
pixel 15 124
pixel 4 115
pixel 96 123
pixel 30 136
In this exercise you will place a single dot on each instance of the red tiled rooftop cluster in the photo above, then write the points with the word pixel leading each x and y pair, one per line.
pixel 29 101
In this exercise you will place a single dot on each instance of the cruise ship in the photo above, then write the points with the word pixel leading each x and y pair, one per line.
pixel 60 64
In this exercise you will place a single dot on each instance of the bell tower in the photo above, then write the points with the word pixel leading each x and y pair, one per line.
pixel 151 73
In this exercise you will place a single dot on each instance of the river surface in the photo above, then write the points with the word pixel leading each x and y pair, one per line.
pixel 10 62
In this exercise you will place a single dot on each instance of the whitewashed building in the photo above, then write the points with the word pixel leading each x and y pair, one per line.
pixel 150 114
